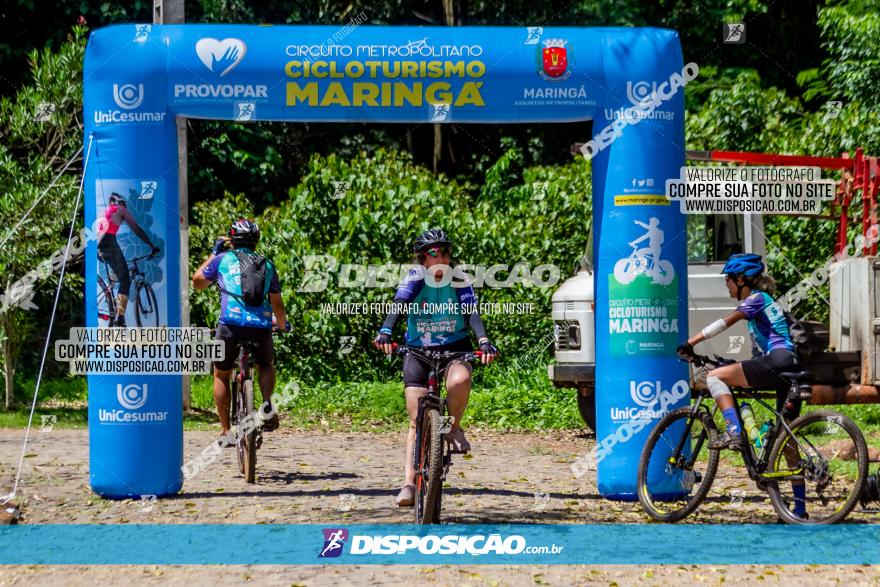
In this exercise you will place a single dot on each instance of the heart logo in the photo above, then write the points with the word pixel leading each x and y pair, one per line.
pixel 220 56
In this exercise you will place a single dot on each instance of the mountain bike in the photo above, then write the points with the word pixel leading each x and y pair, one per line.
pixel 245 420
pixel 431 456
pixel 146 310
pixel 816 449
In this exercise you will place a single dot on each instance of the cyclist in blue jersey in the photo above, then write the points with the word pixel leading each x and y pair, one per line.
pixel 772 348
pixel 238 272
pixel 450 309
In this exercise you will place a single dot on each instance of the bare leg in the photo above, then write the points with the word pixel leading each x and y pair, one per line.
pixel 733 376
pixel 121 304
pixel 221 397
pixel 458 390
pixel 412 407
pixel 267 382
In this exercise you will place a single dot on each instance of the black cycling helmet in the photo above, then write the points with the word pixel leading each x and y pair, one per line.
pixel 244 232
pixel 116 198
pixel 747 264
pixel 431 238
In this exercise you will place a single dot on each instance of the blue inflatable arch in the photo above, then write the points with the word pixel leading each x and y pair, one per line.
pixel 138 78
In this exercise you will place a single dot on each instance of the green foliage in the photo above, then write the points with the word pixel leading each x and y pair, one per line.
pixel 851 35
pixel 540 216
pixel 35 145
pixel 526 401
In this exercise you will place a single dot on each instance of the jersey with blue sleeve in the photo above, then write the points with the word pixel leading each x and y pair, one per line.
pixel 437 312
pixel 767 323
pixel 225 270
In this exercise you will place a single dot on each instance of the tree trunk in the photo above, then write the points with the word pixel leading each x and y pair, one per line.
pixel 438 145
pixel 449 20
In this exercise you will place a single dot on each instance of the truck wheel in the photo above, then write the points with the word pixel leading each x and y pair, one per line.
pixel 586 399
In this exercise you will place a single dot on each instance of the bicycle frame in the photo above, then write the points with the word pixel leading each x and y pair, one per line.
pixel 434 398
pixel 756 464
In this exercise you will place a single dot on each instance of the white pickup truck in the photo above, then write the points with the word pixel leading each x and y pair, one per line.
pixel 711 240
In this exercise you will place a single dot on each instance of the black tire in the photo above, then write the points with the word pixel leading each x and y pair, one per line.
pixel 146 310
pixel 429 469
pixel 234 415
pixel 587 405
pixel 825 424
pixel 703 433
pixel 106 304
pixel 249 441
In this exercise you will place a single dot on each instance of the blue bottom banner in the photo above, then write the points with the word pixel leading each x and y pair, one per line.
pixel 134 544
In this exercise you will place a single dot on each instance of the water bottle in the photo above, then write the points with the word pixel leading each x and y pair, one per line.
pixel 751 427
pixel 762 435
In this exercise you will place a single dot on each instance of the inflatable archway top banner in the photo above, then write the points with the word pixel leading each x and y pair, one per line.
pixel 139 78
pixel 368 73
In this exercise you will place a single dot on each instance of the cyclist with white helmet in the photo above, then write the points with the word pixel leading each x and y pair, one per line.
pixel 116 214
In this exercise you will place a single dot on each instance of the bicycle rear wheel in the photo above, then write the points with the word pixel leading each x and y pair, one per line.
pixel 247 444
pixel 233 417
pixel 678 465
pixel 429 469
pixel 829 457
pixel 146 310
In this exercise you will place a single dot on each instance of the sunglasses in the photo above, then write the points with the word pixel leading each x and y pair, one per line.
pixel 437 251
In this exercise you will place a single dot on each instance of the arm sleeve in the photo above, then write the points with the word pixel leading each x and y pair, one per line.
pixel 468 300
pixel 135 227
pixel 211 269
pixel 406 293
pixel 752 305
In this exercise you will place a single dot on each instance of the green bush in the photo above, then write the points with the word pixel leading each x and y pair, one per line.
pixel 534 216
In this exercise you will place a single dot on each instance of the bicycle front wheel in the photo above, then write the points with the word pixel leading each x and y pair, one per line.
pixel 677 468
pixel 817 471
pixel 429 469
pixel 146 310
pixel 247 444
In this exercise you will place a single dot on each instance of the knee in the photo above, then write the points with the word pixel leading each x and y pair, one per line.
pixel 458 380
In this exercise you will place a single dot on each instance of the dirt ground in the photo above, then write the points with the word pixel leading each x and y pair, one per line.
pixel 347 478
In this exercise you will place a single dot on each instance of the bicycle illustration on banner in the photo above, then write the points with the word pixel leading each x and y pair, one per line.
pixel 646 261
pixel 122 271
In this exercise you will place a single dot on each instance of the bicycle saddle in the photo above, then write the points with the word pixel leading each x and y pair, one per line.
pixel 799 376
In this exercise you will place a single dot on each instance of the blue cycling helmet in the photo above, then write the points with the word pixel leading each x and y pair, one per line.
pixel 748 264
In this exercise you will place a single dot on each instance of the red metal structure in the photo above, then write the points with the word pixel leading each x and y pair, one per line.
pixel 860 175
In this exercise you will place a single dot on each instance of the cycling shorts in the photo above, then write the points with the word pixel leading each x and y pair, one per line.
pixel 112 253
pixel 232 337
pixel 416 370
pixel 764 373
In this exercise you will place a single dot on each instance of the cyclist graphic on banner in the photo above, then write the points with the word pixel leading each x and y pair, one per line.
pixel 643 297
pixel 646 260
pixel 129 272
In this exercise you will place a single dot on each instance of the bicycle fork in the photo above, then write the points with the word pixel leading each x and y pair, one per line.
pixel 429 401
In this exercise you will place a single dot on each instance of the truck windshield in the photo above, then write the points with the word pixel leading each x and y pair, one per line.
pixel 712 238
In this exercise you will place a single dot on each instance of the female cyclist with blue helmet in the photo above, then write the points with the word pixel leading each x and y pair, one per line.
pixel 773 349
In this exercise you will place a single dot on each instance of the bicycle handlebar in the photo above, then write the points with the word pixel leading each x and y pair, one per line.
pixel 429 354
pixel 705 361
